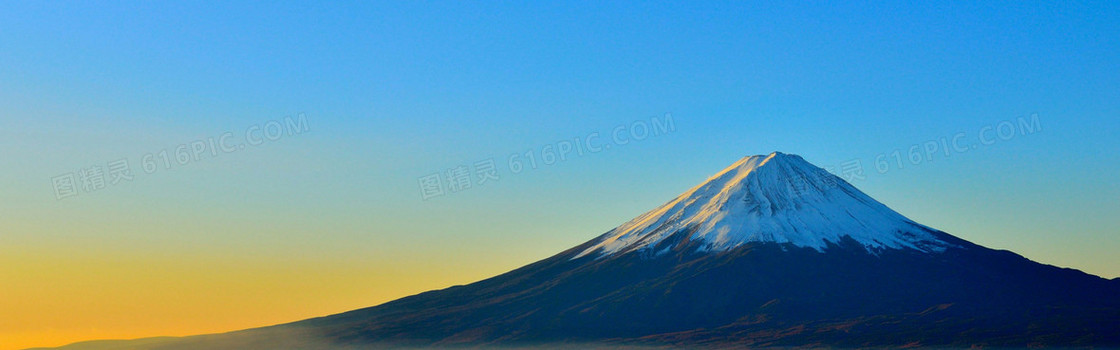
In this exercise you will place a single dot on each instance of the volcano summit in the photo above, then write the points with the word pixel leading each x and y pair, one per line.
pixel 777 198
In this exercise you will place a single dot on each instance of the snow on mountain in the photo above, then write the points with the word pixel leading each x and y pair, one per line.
pixel 777 198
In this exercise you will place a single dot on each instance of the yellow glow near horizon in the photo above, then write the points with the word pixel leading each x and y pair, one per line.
pixel 61 299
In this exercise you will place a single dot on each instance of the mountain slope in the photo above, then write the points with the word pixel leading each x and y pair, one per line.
pixel 769 252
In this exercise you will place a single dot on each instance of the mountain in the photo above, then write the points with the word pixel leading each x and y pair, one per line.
pixel 771 251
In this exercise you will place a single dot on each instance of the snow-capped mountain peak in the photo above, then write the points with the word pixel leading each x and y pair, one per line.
pixel 777 198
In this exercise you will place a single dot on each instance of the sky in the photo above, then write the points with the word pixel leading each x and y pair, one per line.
pixel 176 168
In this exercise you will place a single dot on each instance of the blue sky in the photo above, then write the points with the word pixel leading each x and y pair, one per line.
pixel 396 91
